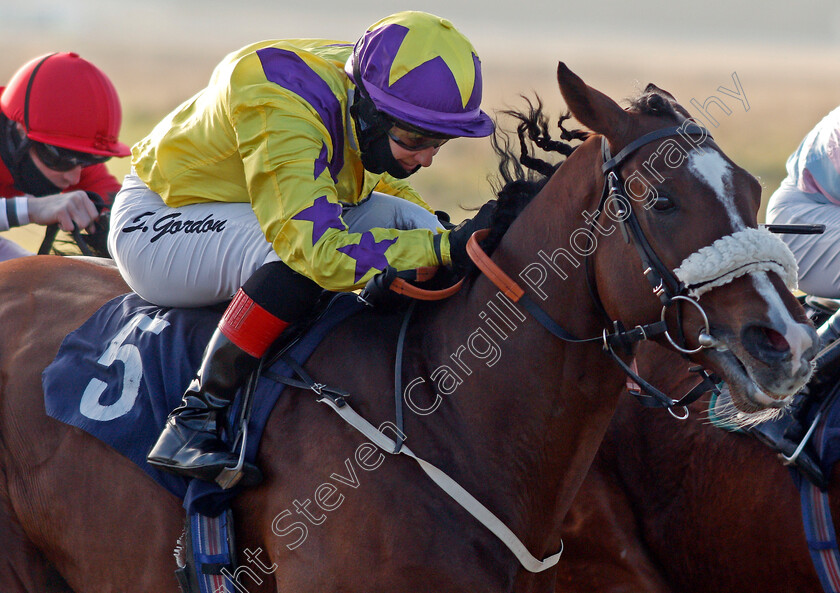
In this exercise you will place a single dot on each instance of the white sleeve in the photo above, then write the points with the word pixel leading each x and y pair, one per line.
pixel 4 220
pixel 13 212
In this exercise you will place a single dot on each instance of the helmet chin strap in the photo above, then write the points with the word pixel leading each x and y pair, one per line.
pixel 372 127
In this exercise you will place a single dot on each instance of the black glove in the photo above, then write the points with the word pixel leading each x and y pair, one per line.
pixel 377 292
pixel 97 241
pixel 443 217
pixel 459 236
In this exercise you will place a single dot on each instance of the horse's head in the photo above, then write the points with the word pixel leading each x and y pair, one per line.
pixel 690 214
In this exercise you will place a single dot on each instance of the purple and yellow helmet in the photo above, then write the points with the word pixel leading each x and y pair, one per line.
pixel 419 70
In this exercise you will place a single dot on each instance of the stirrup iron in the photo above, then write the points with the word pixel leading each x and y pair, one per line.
pixel 230 476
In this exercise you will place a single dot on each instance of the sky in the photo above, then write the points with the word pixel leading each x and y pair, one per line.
pixel 200 23
pixel 159 52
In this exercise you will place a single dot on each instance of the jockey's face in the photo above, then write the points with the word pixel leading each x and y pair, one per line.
pixel 60 179
pixel 410 160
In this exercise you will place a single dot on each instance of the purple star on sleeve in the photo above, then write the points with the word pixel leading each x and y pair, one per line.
pixel 321 163
pixel 323 215
pixel 368 253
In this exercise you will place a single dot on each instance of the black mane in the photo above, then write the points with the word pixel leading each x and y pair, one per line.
pixel 652 102
pixel 521 176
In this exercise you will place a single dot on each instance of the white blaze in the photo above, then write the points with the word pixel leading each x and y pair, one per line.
pixel 795 333
pixel 715 172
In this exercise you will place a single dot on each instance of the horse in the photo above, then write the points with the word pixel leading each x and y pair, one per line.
pixel 510 411
pixel 685 506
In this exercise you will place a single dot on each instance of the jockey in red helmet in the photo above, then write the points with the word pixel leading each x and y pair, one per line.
pixel 286 176
pixel 59 121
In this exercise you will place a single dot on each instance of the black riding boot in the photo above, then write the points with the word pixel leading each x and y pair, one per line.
pixel 190 444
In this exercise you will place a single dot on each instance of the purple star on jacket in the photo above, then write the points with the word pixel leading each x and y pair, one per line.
pixel 368 253
pixel 323 215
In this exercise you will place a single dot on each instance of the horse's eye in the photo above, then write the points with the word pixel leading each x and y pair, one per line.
pixel 663 203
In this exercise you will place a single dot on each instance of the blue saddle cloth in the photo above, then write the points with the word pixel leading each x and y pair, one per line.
pixel 829 438
pixel 124 370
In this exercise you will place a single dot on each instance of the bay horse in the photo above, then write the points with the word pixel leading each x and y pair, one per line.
pixel 675 506
pixel 515 420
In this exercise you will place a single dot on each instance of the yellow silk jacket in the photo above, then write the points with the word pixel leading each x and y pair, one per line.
pixel 273 128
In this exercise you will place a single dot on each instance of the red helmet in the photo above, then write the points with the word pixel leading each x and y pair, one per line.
pixel 64 100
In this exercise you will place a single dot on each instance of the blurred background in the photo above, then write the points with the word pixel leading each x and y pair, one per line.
pixel 785 56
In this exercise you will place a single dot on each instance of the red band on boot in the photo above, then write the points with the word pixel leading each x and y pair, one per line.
pixel 249 326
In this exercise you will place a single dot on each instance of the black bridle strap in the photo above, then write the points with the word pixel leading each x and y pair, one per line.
pixel 612 163
pixel 651 397
pixel 665 284
pixel 514 292
pixel 620 337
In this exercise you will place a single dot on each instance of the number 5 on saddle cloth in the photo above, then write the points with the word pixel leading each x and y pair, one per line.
pixel 119 375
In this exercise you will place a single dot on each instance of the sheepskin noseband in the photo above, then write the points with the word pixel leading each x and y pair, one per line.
pixel 743 252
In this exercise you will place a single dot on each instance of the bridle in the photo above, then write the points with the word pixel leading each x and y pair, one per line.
pixel 664 283
pixel 666 286
pixel 757 250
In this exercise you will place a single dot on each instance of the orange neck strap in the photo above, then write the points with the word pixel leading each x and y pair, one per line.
pixel 502 281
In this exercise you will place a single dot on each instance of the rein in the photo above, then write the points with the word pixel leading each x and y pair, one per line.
pixel 649 396
pixel 665 284
pixel 404 286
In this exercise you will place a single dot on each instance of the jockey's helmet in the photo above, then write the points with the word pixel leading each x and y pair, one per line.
pixel 420 71
pixel 65 101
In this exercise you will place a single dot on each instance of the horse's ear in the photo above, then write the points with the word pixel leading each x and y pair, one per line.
pixel 655 90
pixel 652 88
pixel 590 107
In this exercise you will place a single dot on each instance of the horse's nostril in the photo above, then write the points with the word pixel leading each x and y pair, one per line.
pixel 765 343
pixel 776 340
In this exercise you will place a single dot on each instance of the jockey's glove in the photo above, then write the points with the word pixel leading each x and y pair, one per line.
pixel 443 217
pixel 377 292
pixel 458 237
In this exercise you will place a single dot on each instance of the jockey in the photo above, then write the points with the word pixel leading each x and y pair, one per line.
pixel 810 194
pixel 286 176
pixel 59 121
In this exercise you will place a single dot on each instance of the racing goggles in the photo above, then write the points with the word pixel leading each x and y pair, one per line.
pixel 414 139
pixel 64 159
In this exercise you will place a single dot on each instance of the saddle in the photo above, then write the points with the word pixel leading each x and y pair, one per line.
pixel 119 375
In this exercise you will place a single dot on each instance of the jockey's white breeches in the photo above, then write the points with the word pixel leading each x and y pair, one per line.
pixel 201 254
